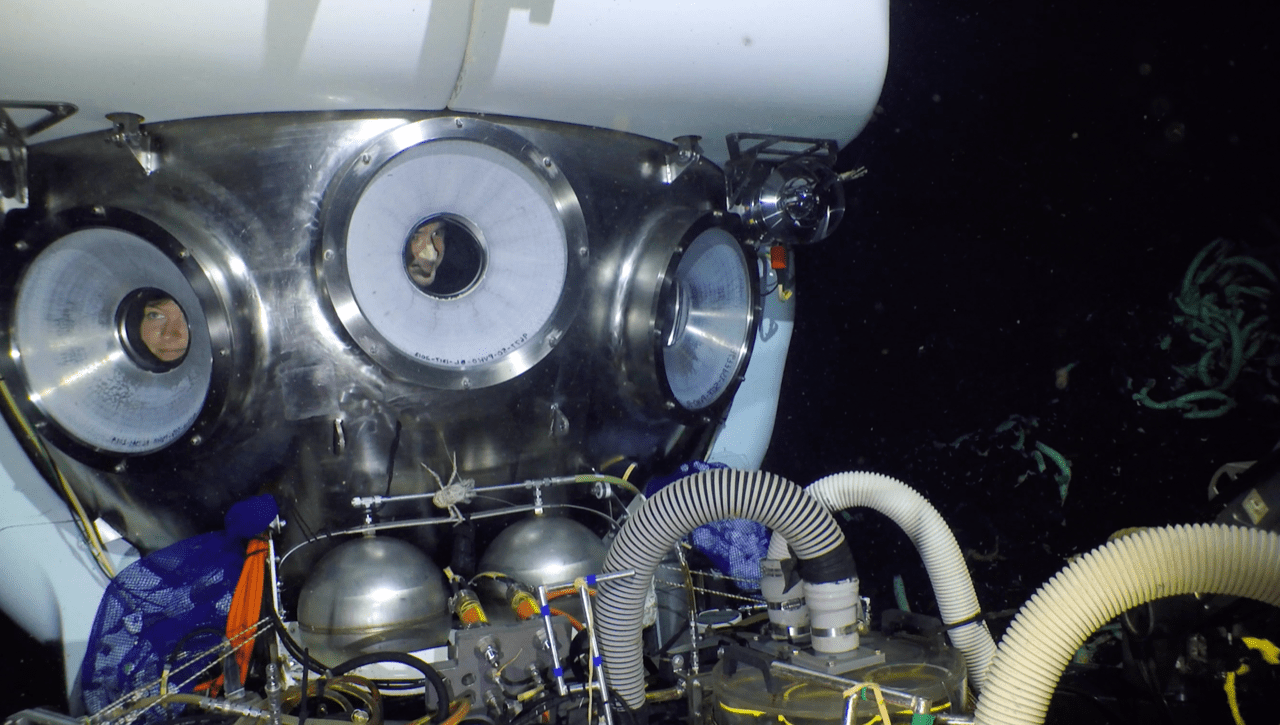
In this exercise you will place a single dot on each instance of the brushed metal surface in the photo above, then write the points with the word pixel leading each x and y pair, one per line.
pixel 296 407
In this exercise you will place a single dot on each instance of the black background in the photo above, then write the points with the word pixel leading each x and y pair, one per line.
pixel 1041 175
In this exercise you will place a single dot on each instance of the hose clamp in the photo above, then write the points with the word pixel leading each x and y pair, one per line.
pixel 789 605
pixel 826 632
pixel 798 635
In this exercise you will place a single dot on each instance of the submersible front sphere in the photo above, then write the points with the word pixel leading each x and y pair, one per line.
pixel 373 594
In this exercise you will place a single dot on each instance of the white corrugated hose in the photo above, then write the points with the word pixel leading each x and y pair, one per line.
pixel 942 557
pixel 1120 575
pixel 668 517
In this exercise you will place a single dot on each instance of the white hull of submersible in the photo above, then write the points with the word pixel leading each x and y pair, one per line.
pixel 657 68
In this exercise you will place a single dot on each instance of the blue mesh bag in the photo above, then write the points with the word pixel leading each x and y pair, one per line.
pixel 169 606
pixel 735 546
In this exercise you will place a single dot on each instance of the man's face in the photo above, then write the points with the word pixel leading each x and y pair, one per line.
pixel 426 250
pixel 164 330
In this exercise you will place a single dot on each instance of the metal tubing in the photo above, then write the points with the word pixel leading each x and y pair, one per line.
pixel 374 501
pixel 597 662
pixel 891 696
pixel 596 579
pixel 556 669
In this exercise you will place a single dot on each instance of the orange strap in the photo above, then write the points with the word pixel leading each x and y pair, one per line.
pixel 246 605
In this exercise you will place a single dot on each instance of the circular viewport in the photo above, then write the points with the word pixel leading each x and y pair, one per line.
pixel 444 257
pixel 153 329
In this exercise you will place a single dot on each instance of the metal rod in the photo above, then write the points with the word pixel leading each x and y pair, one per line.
pixel 591 579
pixel 695 692
pixel 373 501
pixel 556 669
pixel 850 706
pixel 275 578
pixel 891 696
pixel 597 662
pixel 390 525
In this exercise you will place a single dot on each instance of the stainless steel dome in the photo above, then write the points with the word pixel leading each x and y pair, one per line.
pixel 373 595
pixel 545 550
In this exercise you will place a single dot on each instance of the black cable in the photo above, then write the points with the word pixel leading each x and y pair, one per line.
pixel 307 532
pixel 171 659
pixel 680 632
pixel 649 664
pixel 579 648
pixel 532 714
pixel 428 673
pixel 310 664
pixel 303 657
pixel 628 712
pixel 391 457
pixel 1087 697
pixel 295 650
pixel 302 702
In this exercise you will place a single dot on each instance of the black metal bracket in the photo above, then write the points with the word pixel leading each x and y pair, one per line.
pixel 13 146
pixel 753 155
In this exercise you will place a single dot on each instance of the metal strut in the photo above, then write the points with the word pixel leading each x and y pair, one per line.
pixel 13 147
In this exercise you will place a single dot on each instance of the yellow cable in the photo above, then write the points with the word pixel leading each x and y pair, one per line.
pixel 1230 687
pixel 1269 651
pixel 458 709
pixel 523 604
pixel 90 532
pixel 875 688
pixel 513 659
pixel 89 529
pixel 470 611
pixel 622 483
pixel 1270 654
pixel 530 694
pixel 741 710
pixel 567 592
pixel 495 575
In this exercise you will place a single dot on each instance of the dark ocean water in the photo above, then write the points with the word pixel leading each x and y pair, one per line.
pixel 1041 175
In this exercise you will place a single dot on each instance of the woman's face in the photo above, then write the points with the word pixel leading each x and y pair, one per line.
pixel 164 330
pixel 427 252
